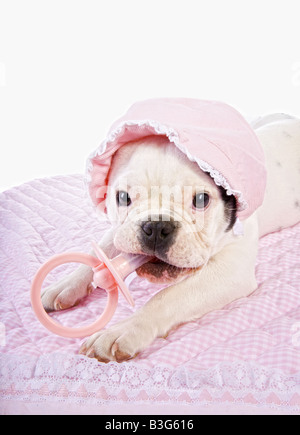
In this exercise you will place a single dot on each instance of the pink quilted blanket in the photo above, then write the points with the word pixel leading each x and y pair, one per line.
pixel 244 358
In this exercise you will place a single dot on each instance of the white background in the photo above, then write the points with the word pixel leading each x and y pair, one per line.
pixel 68 69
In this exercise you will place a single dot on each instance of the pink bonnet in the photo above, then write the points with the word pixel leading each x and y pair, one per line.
pixel 210 133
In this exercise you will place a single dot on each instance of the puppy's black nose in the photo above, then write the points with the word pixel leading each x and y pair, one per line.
pixel 158 235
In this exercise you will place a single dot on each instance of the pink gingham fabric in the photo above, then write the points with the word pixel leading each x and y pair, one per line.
pixel 244 358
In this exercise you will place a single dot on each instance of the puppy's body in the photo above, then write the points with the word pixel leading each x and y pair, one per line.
pixel 281 206
pixel 206 265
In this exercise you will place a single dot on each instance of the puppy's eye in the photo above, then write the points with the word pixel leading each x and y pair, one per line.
pixel 123 199
pixel 201 200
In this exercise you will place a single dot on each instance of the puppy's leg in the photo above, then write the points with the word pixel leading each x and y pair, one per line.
pixel 229 275
pixel 71 289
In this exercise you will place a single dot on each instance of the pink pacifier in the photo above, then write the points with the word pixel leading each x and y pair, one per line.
pixel 109 274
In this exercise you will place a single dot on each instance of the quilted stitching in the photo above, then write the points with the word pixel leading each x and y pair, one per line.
pixel 49 216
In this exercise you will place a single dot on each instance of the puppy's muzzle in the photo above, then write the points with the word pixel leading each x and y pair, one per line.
pixel 156 236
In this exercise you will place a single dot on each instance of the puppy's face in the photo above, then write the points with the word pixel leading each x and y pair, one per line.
pixel 163 205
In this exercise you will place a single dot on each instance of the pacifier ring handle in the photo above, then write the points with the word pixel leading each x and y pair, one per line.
pixel 51 324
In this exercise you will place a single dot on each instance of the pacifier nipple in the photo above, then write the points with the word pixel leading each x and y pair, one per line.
pixel 112 272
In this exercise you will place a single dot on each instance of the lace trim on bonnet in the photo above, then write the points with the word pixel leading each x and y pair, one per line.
pixel 173 137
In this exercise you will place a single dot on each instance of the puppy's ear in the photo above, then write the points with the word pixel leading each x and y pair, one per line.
pixel 230 208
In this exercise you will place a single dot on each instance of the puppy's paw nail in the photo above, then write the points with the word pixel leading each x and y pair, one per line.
pixel 118 354
pixel 114 348
pixel 82 349
pixel 91 353
pixel 57 305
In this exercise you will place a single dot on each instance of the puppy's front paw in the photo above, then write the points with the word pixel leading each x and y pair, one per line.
pixel 120 343
pixel 65 294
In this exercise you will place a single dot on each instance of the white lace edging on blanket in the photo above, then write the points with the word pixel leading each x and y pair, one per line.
pixel 73 377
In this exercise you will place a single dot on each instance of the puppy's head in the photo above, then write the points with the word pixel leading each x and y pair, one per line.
pixel 163 205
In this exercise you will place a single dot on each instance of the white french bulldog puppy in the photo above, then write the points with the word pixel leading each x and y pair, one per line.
pixel 189 231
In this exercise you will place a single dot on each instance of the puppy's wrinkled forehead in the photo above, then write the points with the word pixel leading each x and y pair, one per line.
pixel 154 161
